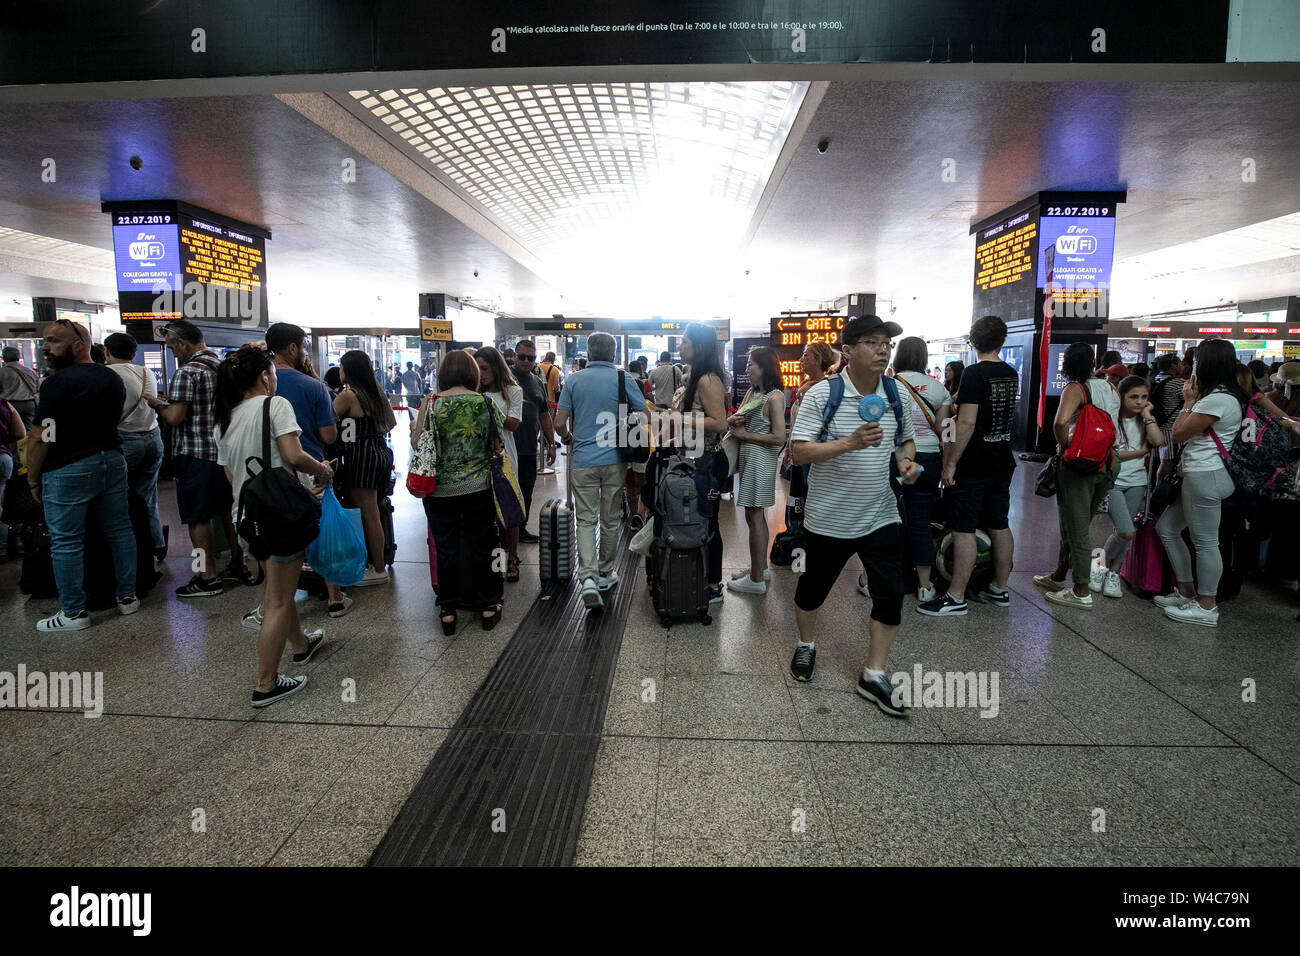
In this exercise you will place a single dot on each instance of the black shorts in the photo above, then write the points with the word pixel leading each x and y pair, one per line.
pixel 202 490
pixel 881 554
pixel 979 501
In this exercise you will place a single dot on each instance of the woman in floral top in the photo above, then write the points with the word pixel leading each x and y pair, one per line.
pixel 461 510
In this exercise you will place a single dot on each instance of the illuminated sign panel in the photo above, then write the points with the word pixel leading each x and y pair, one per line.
pixel 178 261
pixel 1005 256
pixel 803 330
pixel 1154 328
pixel 560 325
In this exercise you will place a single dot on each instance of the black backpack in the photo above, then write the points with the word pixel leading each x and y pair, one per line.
pixel 277 515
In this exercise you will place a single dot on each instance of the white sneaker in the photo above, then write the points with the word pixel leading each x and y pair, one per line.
pixel 746 586
pixel 1067 598
pixel 253 619
pixel 863 589
pixel 339 608
pixel 1193 613
pixel 128 605
pixel 607 581
pixel 1097 579
pixel 925 594
pixel 372 577
pixel 1112 588
pixel 591 595
pixel 1170 600
pixel 60 623
pixel 767 575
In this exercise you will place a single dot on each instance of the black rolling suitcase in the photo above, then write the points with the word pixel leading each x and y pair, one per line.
pixel 678 579
pixel 100 578
pixel 558 548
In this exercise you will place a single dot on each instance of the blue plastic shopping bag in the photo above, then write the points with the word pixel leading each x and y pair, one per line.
pixel 339 552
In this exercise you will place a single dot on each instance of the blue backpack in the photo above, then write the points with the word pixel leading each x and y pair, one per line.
pixel 836 398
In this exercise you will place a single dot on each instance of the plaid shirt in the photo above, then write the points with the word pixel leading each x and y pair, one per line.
pixel 195 384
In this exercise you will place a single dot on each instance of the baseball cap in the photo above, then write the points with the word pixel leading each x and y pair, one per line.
pixel 859 327
pixel 1113 370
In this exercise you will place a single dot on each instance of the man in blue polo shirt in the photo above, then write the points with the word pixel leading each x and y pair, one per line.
pixel 313 408
pixel 591 399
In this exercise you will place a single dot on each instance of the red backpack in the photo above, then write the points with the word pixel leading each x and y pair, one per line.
pixel 1093 445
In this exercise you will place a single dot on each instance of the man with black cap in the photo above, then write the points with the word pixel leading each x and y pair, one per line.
pixel 850 507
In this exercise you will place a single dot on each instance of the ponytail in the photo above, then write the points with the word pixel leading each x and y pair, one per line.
pixel 236 374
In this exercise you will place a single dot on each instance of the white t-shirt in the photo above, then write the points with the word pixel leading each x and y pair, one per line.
pixel 514 408
pixel 243 439
pixel 849 496
pixel 1132 471
pixel 937 398
pixel 137 378
pixel 1199 452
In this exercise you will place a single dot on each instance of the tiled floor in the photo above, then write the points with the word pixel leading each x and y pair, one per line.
pixel 712 754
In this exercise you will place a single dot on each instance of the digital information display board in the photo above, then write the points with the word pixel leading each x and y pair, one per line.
pixel 1006 253
pixel 1084 241
pixel 791 334
pixel 560 326
pixel 1011 259
pixel 805 330
pixel 178 261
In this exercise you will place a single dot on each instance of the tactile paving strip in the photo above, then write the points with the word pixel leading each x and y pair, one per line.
pixel 509 783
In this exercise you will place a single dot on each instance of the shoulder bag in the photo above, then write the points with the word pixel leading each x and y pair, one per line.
pixel 501 476
pixel 422 473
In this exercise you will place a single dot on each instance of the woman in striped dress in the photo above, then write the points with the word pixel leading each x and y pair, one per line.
pixel 365 419
pixel 760 427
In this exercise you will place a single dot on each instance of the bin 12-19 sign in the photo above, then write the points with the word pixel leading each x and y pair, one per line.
pixel 804 330
pixel 791 334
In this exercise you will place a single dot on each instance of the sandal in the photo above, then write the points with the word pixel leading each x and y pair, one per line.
pixel 512 570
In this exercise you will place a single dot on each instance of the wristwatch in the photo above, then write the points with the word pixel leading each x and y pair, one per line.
pixel 1148 421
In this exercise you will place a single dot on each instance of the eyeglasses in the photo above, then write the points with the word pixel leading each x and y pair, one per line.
pixel 519 357
pixel 877 345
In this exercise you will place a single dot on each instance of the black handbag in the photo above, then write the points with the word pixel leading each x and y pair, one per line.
pixel 1049 479
pixel 633 436
pixel 1166 490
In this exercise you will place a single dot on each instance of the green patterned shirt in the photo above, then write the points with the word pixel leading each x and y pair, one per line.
pixel 461 422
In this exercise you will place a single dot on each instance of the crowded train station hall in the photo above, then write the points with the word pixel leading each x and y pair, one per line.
pixel 516 437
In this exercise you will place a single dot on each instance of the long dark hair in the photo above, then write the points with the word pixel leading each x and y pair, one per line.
pixel 360 375
pixel 1077 365
pixel 500 371
pixel 704 359
pixel 1216 370
pixel 765 358
pixel 237 373
pixel 958 367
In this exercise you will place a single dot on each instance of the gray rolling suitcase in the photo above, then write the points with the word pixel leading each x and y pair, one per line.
pixel 558 549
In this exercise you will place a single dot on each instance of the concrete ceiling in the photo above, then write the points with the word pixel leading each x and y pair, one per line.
pixel 871 214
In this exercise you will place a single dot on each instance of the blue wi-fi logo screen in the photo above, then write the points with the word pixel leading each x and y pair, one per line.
pixel 1085 248
pixel 147 257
